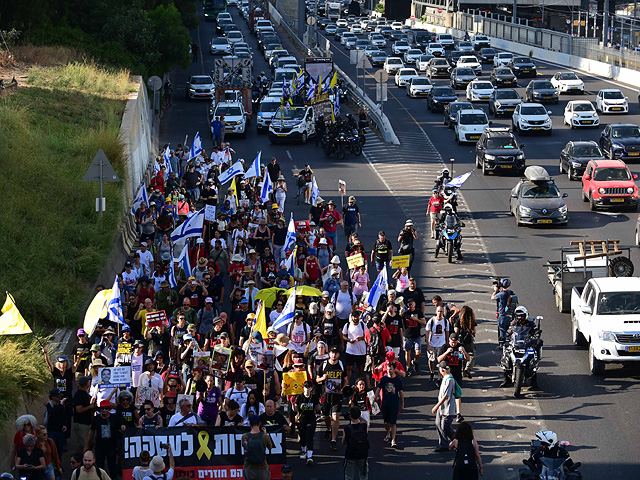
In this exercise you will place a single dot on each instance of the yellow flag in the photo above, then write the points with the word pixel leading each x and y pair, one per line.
pixel 261 321
pixel 97 310
pixel 11 321
pixel 334 80
pixel 235 189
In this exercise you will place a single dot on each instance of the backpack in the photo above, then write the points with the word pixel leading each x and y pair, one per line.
pixel 375 343
pixel 76 473
pixel 512 303
pixel 255 449
pixel 334 300
pixel 465 461
pixel 457 392
pixel 358 442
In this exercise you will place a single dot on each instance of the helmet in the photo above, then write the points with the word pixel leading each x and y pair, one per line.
pixel 447 207
pixel 348 115
pixel 521 311
pixel 6 476
pixel 445 171
pixel 548 437
pixel 506 283
pixel 262 72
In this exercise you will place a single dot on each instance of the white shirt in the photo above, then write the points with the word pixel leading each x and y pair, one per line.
pixel 255 351
pixel 130 279
pixel 438 329
pixel 146 259
pixel 352 332
pixel 168 475
pixel 298 336
pixel 223 242
pixel 136 368
pixel 154 382
pixel 343 304
pixel 273 316
pixel 239 396
pixel 192 420
pixel 157 281
pixel 251 296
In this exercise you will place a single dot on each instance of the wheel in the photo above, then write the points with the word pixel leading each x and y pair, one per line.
pixel 357 149
pixel 576 335
pixel 341 153
pixel 592 203
pixel 303 138
pixel 485 171
pixel 570 173
pixel 478 165
pixel 561 168
pixel 596 367
pixel 449 251
pixel 620 267
pixel 517 381
pixel 637 238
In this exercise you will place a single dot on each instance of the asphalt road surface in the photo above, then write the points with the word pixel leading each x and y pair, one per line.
pixel 391 183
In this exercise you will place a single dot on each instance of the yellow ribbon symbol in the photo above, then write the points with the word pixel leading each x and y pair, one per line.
pixel 203 439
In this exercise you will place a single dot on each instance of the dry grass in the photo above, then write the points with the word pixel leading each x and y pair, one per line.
pixel 45 56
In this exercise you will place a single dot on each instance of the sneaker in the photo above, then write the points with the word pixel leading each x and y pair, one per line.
pixel 408 372
pixel 309 462
pixel 459 418
pixel 334 445
pixel 432 376
pixel 394 444
pixel 327 436
pixel 433 235
pixel 303 455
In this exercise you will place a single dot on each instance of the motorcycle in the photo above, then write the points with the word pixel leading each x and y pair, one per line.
pixel 449 235
pixel 550 468
pixel 441 181
pixel 521 355
pixel 335 144
pixel 450 195
pixel 354 142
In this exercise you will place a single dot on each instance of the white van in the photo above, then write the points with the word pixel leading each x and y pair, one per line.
pixel 446 40
pixel 292 124
pixel 267 109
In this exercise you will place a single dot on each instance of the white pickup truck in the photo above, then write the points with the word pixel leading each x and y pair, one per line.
pixel 605 314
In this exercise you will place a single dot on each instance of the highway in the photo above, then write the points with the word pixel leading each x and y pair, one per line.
pixel 391 183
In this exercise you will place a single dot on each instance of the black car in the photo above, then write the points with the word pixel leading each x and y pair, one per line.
pixel 455 55
pixel 386 31
pixel 221 24
pixel 462 76
pixel 541 91
pixel 503 77
pixel 522 67
pixel 438 67
pixel 620 141
pixel 439 97
pixel 575 156
pixel 451 112
pixel 485 55
pixel 503 101
pixel 498 150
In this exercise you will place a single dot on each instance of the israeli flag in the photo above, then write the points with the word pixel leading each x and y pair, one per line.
pixel 326 84
pixel 191 228
pixel 315 191
pixel 285 90
pixel 114 306
pixel 379 288
pixel 267 188
pixel 459 180
pixel 172 276
pixel 286 317
pixel 290 263
pixel 336 105
pixel 254 169
pixel 167 154
pixel 183 259
pixel 140 197
pixel 290 239
pixel 311 91
pixel 196 146
pixel 235 169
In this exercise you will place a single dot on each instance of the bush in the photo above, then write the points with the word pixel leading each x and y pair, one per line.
pixel 380 8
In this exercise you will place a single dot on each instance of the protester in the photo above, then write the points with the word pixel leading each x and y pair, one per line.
pixel 468 463
pixel 157 466
pixel 356 439
pixel 255 443
pixel 30 461
pixel 445 410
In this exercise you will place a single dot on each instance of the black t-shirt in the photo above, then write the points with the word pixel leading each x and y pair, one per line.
pixel 306 174
pixel 255 383
pixel 33 459
pixel 64 382
pixel 208 196
pixel 82 399
pixel 126 416
pixel 279 235
pixel 410 324
pixel 416 295
pixel 329 328
pixel 213 336
pixel 454 360
pixel 276 419
pixel 166 415
pixel 406 242
pixel 196 296
pixel 316 213
pixel 394 324
pixel 160 342
pixel 382 250
pixel 106 432
pixel 348 432
pixel 335 374
pixel 190 179
pixel 360 400
pixel 350 214
pixel 82 350
pixel 307 407
pixel 225 421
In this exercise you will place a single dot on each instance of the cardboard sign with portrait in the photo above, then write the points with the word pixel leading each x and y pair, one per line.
pixel 293 383
pixel 114 377
pixel 221 359
pixel 201 359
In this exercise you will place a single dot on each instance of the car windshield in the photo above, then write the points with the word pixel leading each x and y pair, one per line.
pixel 425 58
pixel 455 106
pixel 625 132
pixel 473 119
pixel 537 110
pixel 521 60
pixel 234 35
pixel 440 62
pixel 269 107
pixel 464 71
pixel 377 37
pixel 445 36
pixel 219 41
pixel 228 111
pixel 543 84
pixel 568 76
pixel 611 174
pixel 378 55
pixel 290 114
pixel 444 92
pixel 414 51
pixel 467 60
pixel 586 151
pixel 583 107
pixel 407 71
pixel 547 190
pixel 504 71
pixel 465 44
pixel 487 51
pixel 435 46
pixel 507 94
pixel 201 81
pixel 501 142
pixel 402 43
pixel 617 95
pixel 483 86
pixel 618 303
pixel 394 61
pixel 420 81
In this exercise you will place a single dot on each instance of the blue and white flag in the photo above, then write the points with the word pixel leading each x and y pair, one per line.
pixel 114 305
pixel 379 288
pixel 290 239
pixel 183 259
pixel 311 91
pixel 326 83
pixel 140 197
pixel 196 146
pixel 290 263
pixel 254 169
pixel 267 188
pixel 190 228
pixel 286 317
pixel 172 276
pixel 315 191
pixel 235 169
pixel 336 105
pixel 459 180
pixel 167 154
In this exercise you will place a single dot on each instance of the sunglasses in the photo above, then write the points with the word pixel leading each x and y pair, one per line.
pixel 249 368
pixel 125 400
pixel 173 386
pixel 148 409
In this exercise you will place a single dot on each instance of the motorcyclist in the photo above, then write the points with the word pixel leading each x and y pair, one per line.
pixel 350 121
pixel 521 319
pixel 443 178
pixel 449 217
pixel 466 36
pixel 549 448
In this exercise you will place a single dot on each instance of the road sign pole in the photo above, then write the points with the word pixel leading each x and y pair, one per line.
pixel 100 189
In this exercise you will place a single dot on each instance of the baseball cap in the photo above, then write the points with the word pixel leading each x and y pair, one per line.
pixel 95 347
pixel 244 300
pixel 334 348
pixel 105 404
pixel 249 363
pixel 208 300
pixel 444 365
pixel 453 336
pixel 307 384
pixel 82 381
pixel 391 356
pixel 81 332
pixel 285 468
pixel 55 392
pixel 257 335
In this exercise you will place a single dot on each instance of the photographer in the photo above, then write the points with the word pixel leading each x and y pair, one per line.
pixel 157 466
pixel 406 238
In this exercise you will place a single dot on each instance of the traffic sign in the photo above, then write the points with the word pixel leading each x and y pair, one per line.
pixel 311 20
pixel 381 76
pixel 100 170
pixel 154 83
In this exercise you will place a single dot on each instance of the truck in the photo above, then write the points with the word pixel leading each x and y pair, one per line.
pixel 333 10
pixel 212 8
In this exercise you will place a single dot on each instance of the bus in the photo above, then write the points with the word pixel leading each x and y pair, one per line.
pixel 213 7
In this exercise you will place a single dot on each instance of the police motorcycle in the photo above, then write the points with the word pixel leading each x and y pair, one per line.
pixel 336 140
pixel 443 179
pixel 356 130
pixel 549 460
pixel 449 234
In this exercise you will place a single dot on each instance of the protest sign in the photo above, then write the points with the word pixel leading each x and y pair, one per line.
pixel 210 213
pixel 155 319
pixel 292 383
pixel 221 359
pixel 355 261
pixel 400 261
pixel 114 377
pixel 201 359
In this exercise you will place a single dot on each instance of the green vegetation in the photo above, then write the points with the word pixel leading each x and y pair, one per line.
pixel 380 8
pixel 53 247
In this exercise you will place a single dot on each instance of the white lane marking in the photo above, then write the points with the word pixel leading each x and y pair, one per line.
pixel 290 158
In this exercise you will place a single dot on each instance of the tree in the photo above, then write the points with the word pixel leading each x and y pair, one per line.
pixel 171 37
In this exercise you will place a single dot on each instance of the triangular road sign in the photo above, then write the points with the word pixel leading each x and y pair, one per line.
pixel 93 173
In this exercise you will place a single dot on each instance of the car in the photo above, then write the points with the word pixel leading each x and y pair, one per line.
pixel 386 31
pixel 451 112
pixel 621 140
pixel 479 91
pixel 235 37
pixel 219 46
pixel 567 82
pixel 503 77
pixel 221 24
pixel 502 59
pixel 377 40
pixel 609 183
pixel 498 151
pixel 397 35
pixel 200 86
pixel 362 44
pixel 269 49
pixel 342 23
pixel 393 64
pixel 240 45
pixel 470 61
pixel 423 62
pixel 339 32
pixel 523 67
pixel 287 62
pixel 266 110
pixel 536 200
pixel 581 113
pixel 276 55
pixel 435 49
pixel 611 100
pixel 461 77
pixel 235 117
pixel 531 117
pixel 350 42
pixel 412 55
pixel 378 58
pixel 439 97
pixel 331 29
pixel 357 29
pixel 541 91
pixel 403 74
pixel 503 101
pixel 446 40
pixel 396 26
pixel 486 55
pixel 243 53
pixel 575 156
pixel 399 47
pixel 369 49
pixel 466 47
pixel 470 125
pixel 225 16
pixel 347 35
pixel 438 67
pixel 230 27
pixel 418 87
pixel 480 42
pixel 454 57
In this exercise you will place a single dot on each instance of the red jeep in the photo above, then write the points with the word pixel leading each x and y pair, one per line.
pixel 609 183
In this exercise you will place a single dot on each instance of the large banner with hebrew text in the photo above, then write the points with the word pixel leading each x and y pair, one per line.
pixel 201 453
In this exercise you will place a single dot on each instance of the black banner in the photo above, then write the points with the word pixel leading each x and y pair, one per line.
pixel 206 453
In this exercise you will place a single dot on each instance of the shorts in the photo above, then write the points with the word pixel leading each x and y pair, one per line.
pixel 413 344
pixel 332 405
pixel 308 184
pixel 396 350
pixel 49 472
pixel 433 216
pixel 431 355
pixel 389 414
pixel 81 431
pixel 380 265
pixel 355 359
pixel 366 416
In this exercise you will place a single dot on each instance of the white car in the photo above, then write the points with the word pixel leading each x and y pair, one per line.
pixel 396 26
pixel 347 35
pixel 219 46
pixel 567 82
pixel 370 49
pixel 466 47
pixel 479 91
pixel 531 117
pixel 612 100
pixel 403 75
pixel 470 61
pixel 470 125
pixel 418 87
pixel 423 62
pixel 357 29
pixel 266 110
pixel 435 49
pixel 377 40
pixel 581 113
pixel 399 47
pixel 342 23
pixel 502 59
pixel 393 64
pixel 235 36
pixel 481 41
pixel 235 117
pixel 412 55
pixel 200 86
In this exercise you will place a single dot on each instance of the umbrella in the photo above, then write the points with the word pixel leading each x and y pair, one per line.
pixel 305 291
pixel 268 295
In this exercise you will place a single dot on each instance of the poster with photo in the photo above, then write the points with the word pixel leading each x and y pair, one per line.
pixel 201 359
pixel 221 359
pixel 114 377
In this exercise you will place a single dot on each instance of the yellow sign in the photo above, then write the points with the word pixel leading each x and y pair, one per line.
pixel 400 261
pixel 355 261
pixel 293 383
